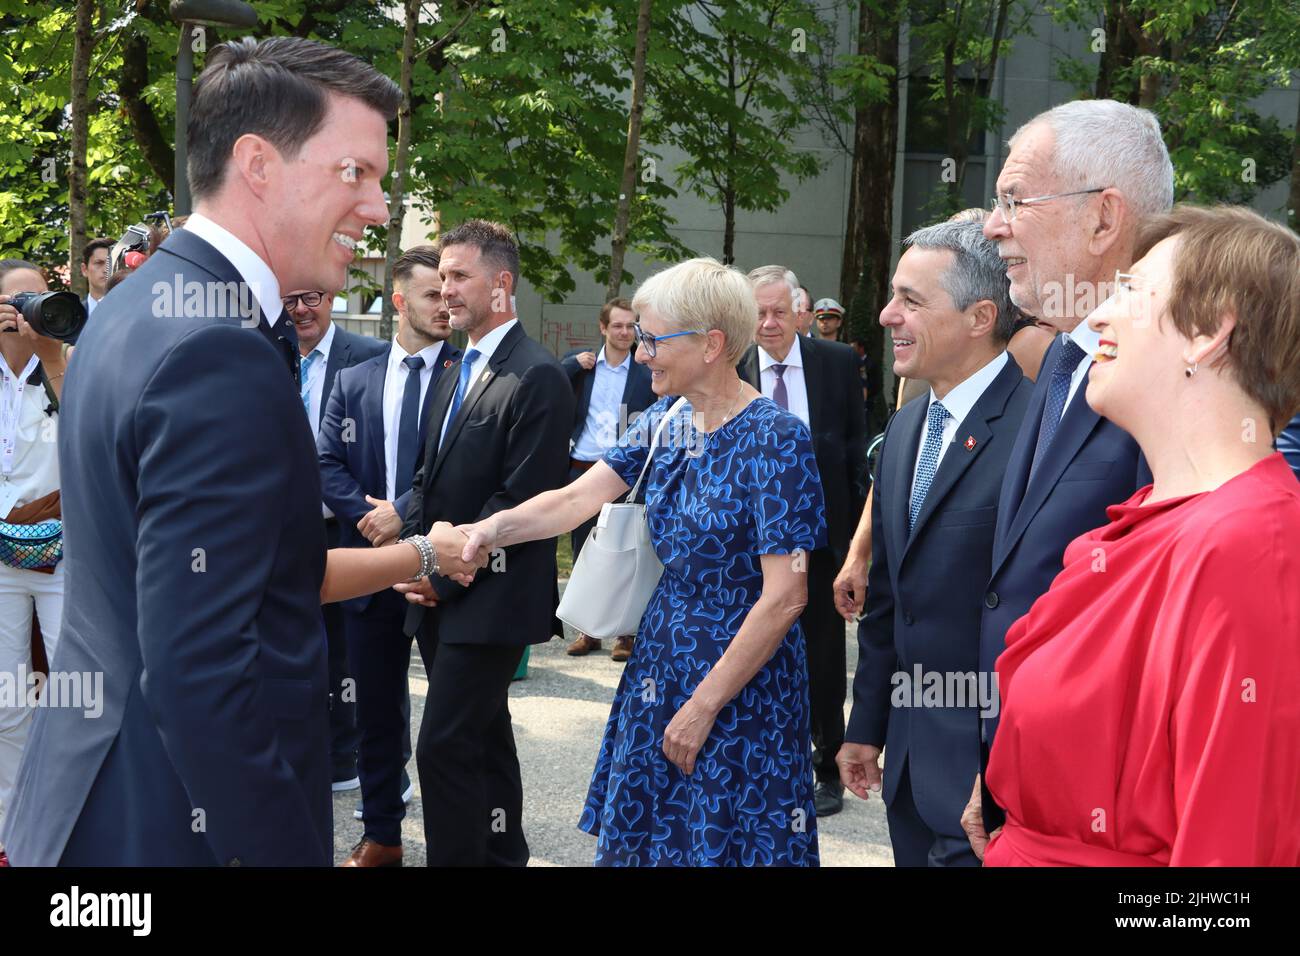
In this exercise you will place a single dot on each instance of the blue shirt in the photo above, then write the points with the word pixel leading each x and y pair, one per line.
pixel 601 431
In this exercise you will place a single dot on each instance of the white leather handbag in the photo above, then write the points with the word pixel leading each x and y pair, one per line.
pixel 617 569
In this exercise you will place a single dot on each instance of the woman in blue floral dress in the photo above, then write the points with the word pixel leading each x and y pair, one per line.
pixel 706 756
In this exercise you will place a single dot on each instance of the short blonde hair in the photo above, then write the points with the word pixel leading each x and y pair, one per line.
pixel 1231 258
pixel 700 295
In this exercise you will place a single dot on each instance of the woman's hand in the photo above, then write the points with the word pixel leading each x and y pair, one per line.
pixel 455 559
pixel 972 821
pixel 686 733
pixel 480 539
pixel 49 351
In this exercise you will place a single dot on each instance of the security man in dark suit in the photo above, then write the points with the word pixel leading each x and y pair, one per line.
pixel 916 694
pixel 1063 242
pixel 370 443
pixel 818 381
pixel 325 349
pixel 498 434
pixel 611 389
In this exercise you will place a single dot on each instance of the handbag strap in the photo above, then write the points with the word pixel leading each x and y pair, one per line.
pixel 668 416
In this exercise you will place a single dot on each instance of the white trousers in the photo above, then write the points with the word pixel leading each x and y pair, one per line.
pixel 20 591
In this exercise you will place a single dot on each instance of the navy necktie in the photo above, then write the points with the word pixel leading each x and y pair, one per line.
pixel 779 393
pixel 408 426
pixel 929 463
pixel 1058 389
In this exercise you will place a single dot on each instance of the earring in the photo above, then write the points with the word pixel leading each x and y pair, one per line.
pixel 1191 369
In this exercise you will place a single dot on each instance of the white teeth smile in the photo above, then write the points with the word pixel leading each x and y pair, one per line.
pixel 899 342
pixel 1014 261
pixel 346 241
pixel 1105 353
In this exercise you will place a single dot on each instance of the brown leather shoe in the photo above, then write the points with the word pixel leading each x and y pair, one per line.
pixel 370 853
pixel 583 646
pixel 622 649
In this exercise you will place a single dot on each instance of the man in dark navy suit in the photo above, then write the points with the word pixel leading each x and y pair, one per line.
pixel 611 389
pixel 325 349
pixel 369 443
pixel 937 483
pixel 194 550
pixel 817 381
pixel 1076 183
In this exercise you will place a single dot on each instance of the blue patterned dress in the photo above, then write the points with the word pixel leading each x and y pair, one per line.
pixel 715 503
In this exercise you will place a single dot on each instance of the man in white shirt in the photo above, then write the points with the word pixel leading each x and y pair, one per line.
pixel 325 349
pixel 370 443
pixel 611 389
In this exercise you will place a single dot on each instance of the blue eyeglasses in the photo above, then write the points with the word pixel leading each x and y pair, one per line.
pixel 651 342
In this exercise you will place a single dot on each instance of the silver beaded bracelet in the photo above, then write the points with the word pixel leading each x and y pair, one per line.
pixel 428 556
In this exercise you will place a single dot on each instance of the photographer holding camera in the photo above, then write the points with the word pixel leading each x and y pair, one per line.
pixel 31 572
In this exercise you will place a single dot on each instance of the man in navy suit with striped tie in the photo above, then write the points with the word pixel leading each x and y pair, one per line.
pixel 370 442
pixel 1076 183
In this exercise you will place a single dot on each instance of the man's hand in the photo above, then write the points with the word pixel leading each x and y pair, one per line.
pixel 851 589
pixel 859 768
pixel 418 592
pixel 382 524
pixel 972 821
pixel 587 360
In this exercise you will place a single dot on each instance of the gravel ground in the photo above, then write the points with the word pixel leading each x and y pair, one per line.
pixel 559 715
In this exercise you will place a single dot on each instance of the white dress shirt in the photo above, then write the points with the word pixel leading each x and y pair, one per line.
pixel 485 346
pixel 1088 340
pixel 91 302
pixel 29 469
pixel 394 390
pixel 959 401
pixel 315 380
pixel 600 433
pixel 258 276
pixel 796 386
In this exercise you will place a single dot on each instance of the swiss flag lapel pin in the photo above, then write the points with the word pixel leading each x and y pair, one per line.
pixel 970 442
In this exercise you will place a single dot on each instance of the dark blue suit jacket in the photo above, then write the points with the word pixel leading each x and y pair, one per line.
pixel 194 556
pixel 352 465
pixel 1091 464
pixel 1288 443
pixel 637 393
pixel 347 350
pixel 924 593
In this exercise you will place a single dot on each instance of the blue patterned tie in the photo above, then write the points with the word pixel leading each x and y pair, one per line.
pixel 306 379
pixel 1058 389
pixel 929 463
pixel 466 369
pixel 408 425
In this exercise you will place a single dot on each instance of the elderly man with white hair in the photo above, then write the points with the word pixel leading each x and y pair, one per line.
pixel 705 759
pixel 1077 182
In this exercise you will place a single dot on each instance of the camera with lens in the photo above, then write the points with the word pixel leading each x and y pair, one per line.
pixel 55 315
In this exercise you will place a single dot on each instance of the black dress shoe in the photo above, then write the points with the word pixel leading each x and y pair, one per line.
pixel 828 798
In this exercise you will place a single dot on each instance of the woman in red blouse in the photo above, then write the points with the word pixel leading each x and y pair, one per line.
pixel 1151 698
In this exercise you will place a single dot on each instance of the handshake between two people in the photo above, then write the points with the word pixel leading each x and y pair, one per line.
pixel 462 550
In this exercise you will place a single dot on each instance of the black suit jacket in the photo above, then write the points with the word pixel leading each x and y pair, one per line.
pixel 194 556
pixel 837 419
pixel 508 442
pixel 924 596
pixel 637 393
pixel 351 446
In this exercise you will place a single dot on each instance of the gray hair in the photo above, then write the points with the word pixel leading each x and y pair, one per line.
pixel 1101 143
pixel 976 272
pixel 766 275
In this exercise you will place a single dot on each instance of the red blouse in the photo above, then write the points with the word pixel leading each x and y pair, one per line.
pixel 1151 698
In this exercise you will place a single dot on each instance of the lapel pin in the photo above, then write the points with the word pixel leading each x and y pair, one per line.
pixel 970 442
pixel 446 363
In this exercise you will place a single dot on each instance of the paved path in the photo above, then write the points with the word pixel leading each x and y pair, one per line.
pixel 559 715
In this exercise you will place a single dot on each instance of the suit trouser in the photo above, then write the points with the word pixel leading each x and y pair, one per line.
pixel 915 844
pixel 381 656
pixel 344 736
pixel 469 771
pixel 823 631
pixel 578 536
pixel 20 592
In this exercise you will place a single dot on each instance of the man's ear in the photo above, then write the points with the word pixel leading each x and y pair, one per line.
pixel 1112 213
pixel 983 318
pixel 254 159
pixel 399 302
